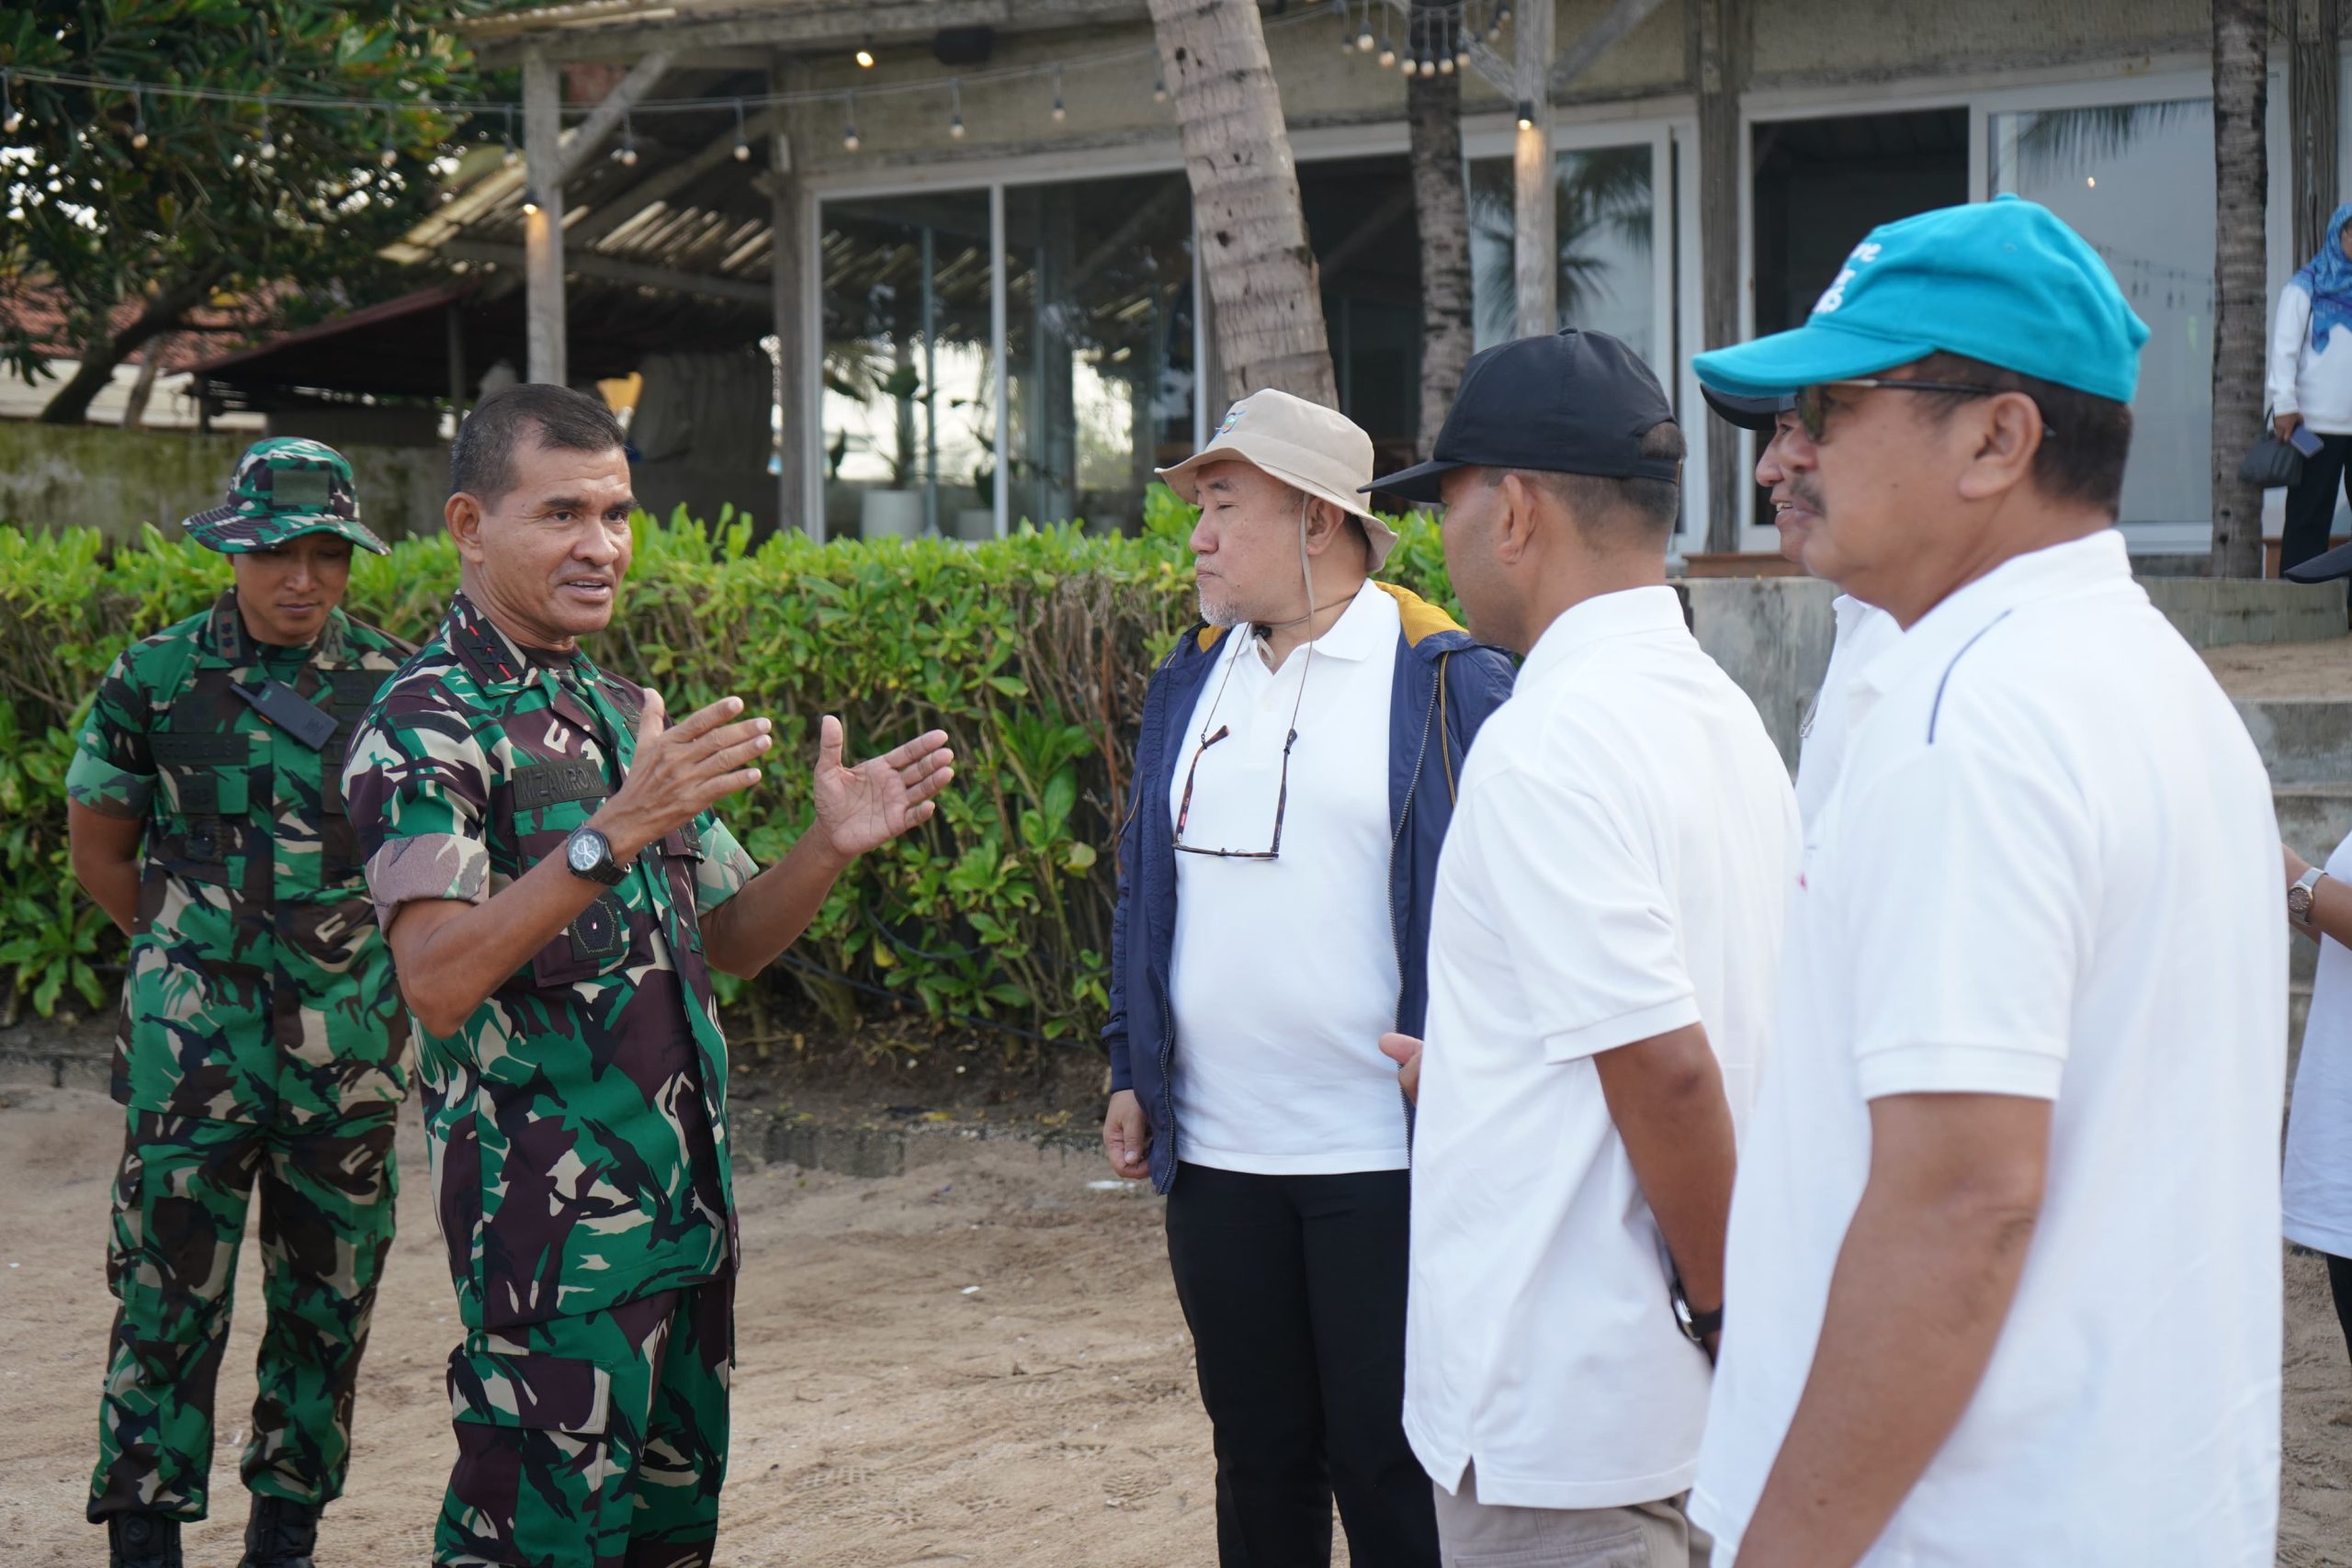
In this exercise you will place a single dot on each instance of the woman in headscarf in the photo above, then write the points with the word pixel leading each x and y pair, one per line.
pixel 2310 384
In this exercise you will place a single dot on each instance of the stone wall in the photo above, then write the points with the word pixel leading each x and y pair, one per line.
pixel 54 476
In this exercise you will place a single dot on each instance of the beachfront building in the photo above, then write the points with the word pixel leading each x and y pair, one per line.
pixel 972 261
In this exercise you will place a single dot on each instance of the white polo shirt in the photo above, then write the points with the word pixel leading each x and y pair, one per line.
pixel 1283 973
pixel 1618 868
pixel 2049 868
pixel 1863 632
pixel 2319 1128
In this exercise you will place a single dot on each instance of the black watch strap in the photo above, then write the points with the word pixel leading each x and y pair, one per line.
pixel 1695 1325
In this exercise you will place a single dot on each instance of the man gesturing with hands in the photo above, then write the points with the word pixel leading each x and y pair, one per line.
pixel 544 857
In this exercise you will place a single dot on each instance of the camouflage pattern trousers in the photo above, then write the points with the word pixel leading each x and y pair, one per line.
pixel 593 1441
pixel 327 1188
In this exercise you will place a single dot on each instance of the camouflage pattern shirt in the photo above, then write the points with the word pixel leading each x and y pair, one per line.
pixel 259 989
pixel 577 1121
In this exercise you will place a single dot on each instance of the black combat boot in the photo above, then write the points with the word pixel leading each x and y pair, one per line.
pixel 142 1541
pixel 279 1535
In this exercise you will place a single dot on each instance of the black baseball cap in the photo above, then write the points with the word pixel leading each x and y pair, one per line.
pixel 1576 403
pixel 1748 413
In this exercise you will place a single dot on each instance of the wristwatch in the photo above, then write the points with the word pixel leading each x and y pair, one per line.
pixel 2299 897
pixel 1695 1325
pixel 588 854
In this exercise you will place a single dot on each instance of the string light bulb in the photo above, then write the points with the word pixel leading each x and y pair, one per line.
pixel 1159 89
pixel 864 56
pixel 1061 111
pixel 955 107
pixel 268 142
pixel 1429 67
pixel 138 120
pixel 1445 65
pixel 530 204
pixel 1526 115
pixel 1387 54
pixel 389 155
pixel 849 122
pixel 1365 42
pixel 510 157
pixel 742 142
pixel 625 153
pixel 11 117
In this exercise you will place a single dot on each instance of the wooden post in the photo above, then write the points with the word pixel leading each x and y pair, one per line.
pixel 797 436
pixel 1709 28
pixel 542 230
pixel 1535 249
pixel 2311 112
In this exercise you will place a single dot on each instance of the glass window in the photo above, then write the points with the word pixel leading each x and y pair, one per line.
pixel 1098 348
pixel 1603 204
pixel 2136 180
pixel 906 406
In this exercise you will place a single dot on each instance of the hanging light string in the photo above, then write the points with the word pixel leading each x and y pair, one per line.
pixel 137 91
pixel 1438 39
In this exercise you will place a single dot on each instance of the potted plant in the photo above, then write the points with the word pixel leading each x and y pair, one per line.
pixel 896 510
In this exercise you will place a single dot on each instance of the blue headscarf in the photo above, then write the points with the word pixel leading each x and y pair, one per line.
pixel 2327 278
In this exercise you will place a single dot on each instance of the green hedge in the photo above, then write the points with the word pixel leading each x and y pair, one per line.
pixel 1032 652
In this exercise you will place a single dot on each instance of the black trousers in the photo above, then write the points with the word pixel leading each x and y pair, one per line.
pixel 2311 501
pixel 2339 1285
pixel 1294 1287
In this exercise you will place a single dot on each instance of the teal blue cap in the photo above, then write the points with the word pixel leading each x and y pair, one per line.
pixel 2002 281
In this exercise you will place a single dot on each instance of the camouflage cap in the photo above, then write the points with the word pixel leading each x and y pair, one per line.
pixel 284 487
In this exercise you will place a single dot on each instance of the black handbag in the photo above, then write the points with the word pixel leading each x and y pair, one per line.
pixel 2270 463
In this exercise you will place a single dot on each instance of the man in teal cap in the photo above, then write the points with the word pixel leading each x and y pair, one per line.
pixel 2002 1281
pixel 262 1034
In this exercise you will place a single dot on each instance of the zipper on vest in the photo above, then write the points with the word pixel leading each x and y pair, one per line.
pixel 1395 927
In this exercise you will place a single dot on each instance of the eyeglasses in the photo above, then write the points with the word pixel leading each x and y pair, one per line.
pixel 1282 797
pixel 1813 403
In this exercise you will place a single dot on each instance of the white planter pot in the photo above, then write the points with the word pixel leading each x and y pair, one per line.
pixel 976 522
pixel 890 514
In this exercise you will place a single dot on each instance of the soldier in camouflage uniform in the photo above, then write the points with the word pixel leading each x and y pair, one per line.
pixel 260 1032
pixel 557 890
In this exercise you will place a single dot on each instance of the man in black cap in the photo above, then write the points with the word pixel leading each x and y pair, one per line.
pixel 1603 949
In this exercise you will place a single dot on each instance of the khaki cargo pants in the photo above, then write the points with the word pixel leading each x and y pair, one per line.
pixel 1472 1534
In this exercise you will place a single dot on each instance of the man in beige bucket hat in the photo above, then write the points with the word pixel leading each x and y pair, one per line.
pixel 1293 784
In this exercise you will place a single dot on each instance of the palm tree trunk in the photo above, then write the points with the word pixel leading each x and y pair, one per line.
pixel 1260 271
pixel 1442 211
pixel 2242 179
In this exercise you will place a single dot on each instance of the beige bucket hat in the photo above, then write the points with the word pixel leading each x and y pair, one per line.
pixel 1311 448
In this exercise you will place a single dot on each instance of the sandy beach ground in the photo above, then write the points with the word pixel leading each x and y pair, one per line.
pixel 886 1412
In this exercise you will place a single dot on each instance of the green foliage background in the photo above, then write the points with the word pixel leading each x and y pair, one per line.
pixel 1032 652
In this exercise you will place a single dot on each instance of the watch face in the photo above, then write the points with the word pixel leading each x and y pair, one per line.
pixel 585 850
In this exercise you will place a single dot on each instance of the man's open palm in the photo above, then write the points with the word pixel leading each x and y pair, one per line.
pixel 862 807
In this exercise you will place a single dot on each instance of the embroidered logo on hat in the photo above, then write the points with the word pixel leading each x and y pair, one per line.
pixel 1835 295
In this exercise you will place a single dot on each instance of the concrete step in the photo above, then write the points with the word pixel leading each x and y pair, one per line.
pixel 2313 817
pixel 2303 740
